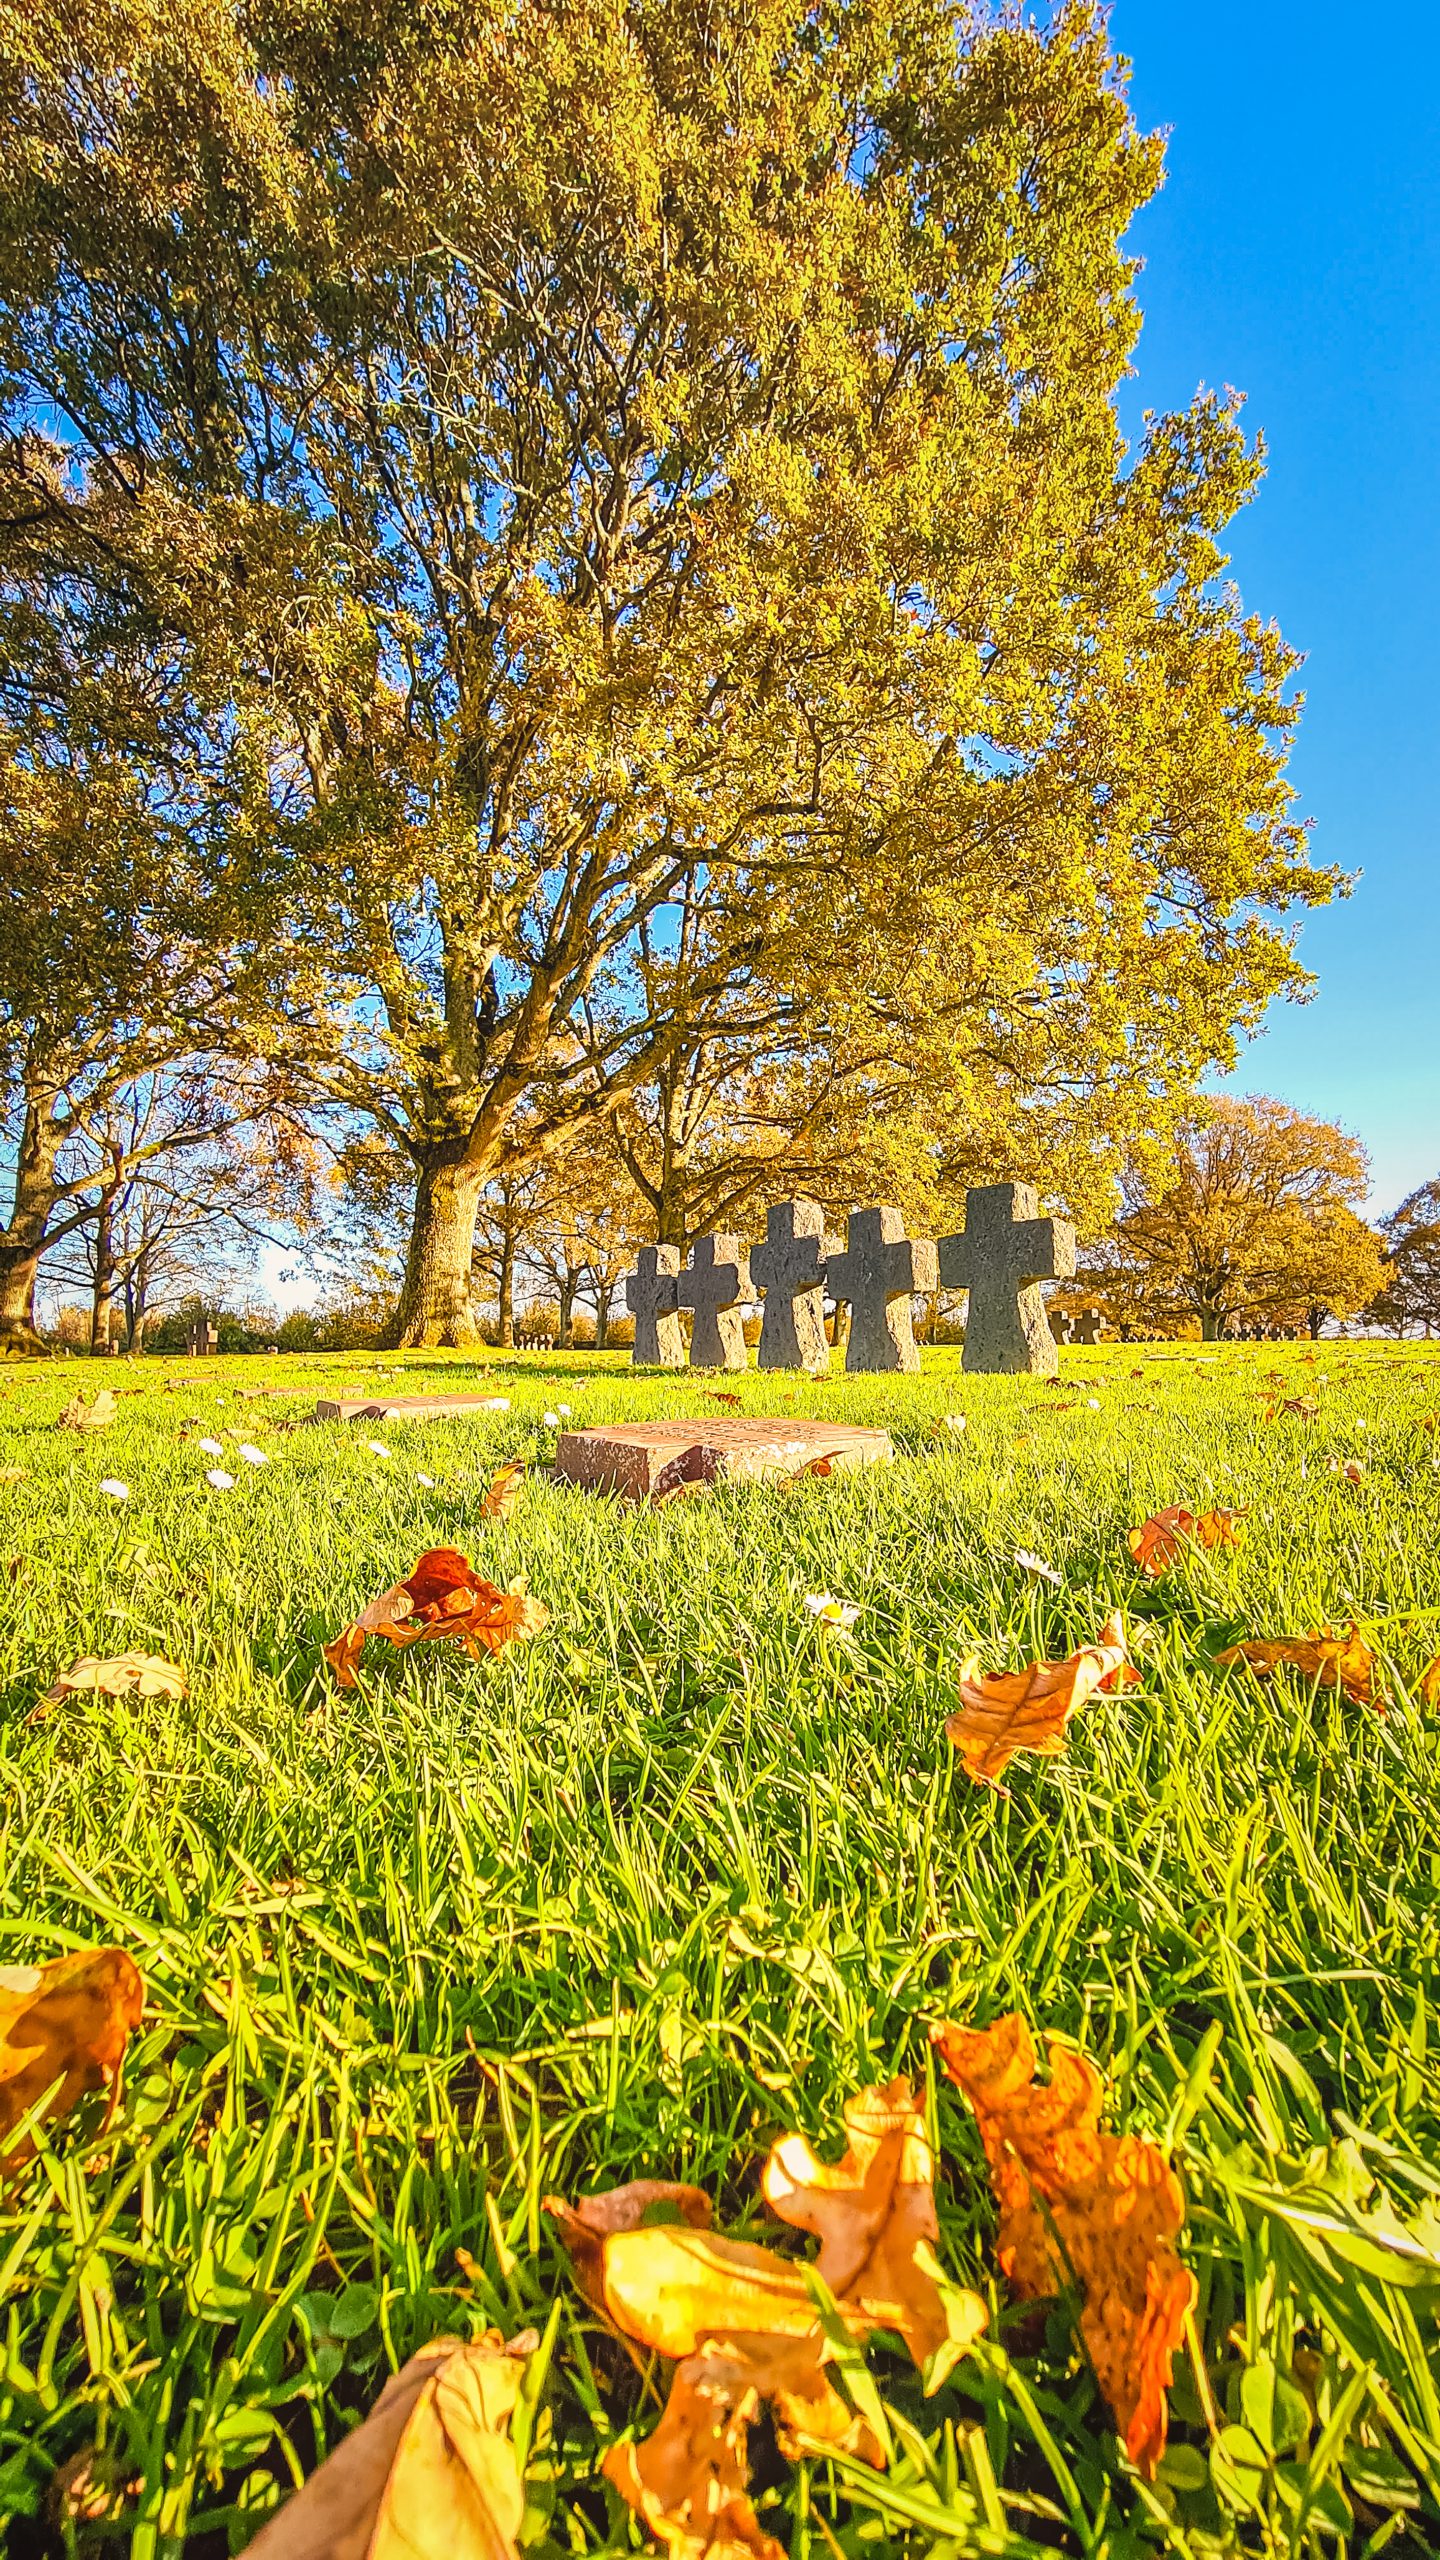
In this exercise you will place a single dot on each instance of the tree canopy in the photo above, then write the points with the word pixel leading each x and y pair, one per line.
pixel 651 487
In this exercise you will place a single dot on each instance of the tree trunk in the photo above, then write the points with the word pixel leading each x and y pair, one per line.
pixel 603 1292
pixel 1209 1325
pixel 435 1304
pixel 1315 1317
pixel 103 1294
pixel 506 1293
pixel 23 1241
pixel 566 1340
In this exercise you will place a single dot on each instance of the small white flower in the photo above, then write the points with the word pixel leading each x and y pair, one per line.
pixel 212 1448
pixel 1037 1564
pixel 564 1412
pixel 830 1612
pixel 378 1447
pixel 1094 1403
pixel 219 1479
pixel 112 1485
pixel 1362 1426
pixel 252 1456
pixel 427 1481
pixel 552 1421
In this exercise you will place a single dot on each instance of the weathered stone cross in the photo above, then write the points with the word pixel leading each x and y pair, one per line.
pixel 715 1279
pixel 651 1299
pixel 879 1272
pixel 790 1267
pixel 1006 1249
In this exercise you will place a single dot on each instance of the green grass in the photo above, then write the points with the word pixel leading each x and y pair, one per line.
pixel 684 1872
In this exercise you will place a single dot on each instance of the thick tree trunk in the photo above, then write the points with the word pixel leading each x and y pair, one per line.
pixel 1315 1318
pixel 1209 1325
pixel 506 1294
pixel 435 1304
pixel 603 1293
pixel 23 1241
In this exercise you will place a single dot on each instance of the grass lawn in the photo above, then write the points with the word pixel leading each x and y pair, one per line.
pixel 683 1873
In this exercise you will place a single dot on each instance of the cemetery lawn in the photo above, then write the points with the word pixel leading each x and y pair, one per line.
pixel 683 1873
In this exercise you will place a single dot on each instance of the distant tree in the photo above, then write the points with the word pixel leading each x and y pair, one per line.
pixel 710 502
pixel 1409 1292
pixel 1250 1214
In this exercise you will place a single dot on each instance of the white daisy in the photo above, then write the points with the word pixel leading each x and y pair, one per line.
pixel 552 1421
pixel 112 1485
pixel 212 1448
pixel 427 1481
pixel 830 1612
pixel 564 1412
pixel 252 1456
pixel 219 1479
pixel 1037 1564
pixel 379 1448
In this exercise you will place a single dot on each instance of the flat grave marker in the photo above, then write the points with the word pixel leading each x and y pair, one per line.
pixel 643 1459
pixel 404 1408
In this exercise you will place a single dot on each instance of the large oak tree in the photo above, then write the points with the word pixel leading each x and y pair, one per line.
pixel 646 462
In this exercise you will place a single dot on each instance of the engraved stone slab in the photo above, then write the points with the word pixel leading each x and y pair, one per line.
pixel 1006 1249
pixel 651 1299
pixel 879 1272
pixel 645 1458
pixel 713 1282
pixel 403 1408
pixel 790 1268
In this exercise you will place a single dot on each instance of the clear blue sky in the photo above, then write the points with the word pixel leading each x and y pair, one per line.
pixel 1295 252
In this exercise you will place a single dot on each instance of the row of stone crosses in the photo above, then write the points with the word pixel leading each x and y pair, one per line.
pixel 1003 1253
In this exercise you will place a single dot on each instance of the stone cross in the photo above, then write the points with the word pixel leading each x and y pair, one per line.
pixel 203 1338
pixel 790 1267
pixel 879 1272
pixel 1006 1249
pixel 715 1279
pixel 1086 1327
pixel 651 1299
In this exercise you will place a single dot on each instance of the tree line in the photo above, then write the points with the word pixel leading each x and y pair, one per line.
pixel 547 647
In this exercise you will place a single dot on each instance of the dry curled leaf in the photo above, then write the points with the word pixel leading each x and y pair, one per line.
pixel 504 1491
pixel 1427 1688
pixel 689 2480
pixel 80 1416
pixel 444 1596
pixel 65 2021
pixel 1102 2208
pixel 432 2469
pixel 1304 1408
pixel 114 1677
pixel 1003 1712
pixel 1161 1539
pixel 1334 1662
pixel 721 1395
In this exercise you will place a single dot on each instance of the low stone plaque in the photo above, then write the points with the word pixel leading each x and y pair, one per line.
pixel 643 1459
pixel 404 1408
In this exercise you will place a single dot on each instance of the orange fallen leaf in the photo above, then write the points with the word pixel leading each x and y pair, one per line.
pixel 1351 1470
pixel 80 1416
pixel 1003 1712
pixel 1161 1539
pixel 720 1395
pixel 1428 1685
pixel 432 2469
pixel 1334 1662
pixel 689 2480
pixel 65 2021
pixel 1111 2202
pixel 444 1596
pixel 871 2213
pixel 504 1491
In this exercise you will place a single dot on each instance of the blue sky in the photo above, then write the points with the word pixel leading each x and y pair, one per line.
pixel 1295 252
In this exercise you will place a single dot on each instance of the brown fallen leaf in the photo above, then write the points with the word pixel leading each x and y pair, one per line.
pixel 1427 1688
pixel 65 2021
pixel 1350 1470
pixel 504 1491
pixel 1334 1662
pixel 115 1677
pixel 1162 1539
pixel 444 1596
pixel 689 2480
pixel 432 2469
pixel 1003 1712
pixel 1102 2208
pixel 80 1416
pixel 721 1395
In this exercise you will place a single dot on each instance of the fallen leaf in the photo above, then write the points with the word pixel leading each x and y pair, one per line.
pixel 12 1475
pixel 720 1395
pixel 115 1677
pixel 504 1491
pixel 432 2469
pixel 444 1596
pixel 1428 1685
pixel 1335 1662
pixel 1305 1408
pixel 689 2480
pixel 1161 1539
pixel 67 2020
pixel 1003 1712
pixel 1351 1470
pixel 80 1416
pixel 1102 2208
